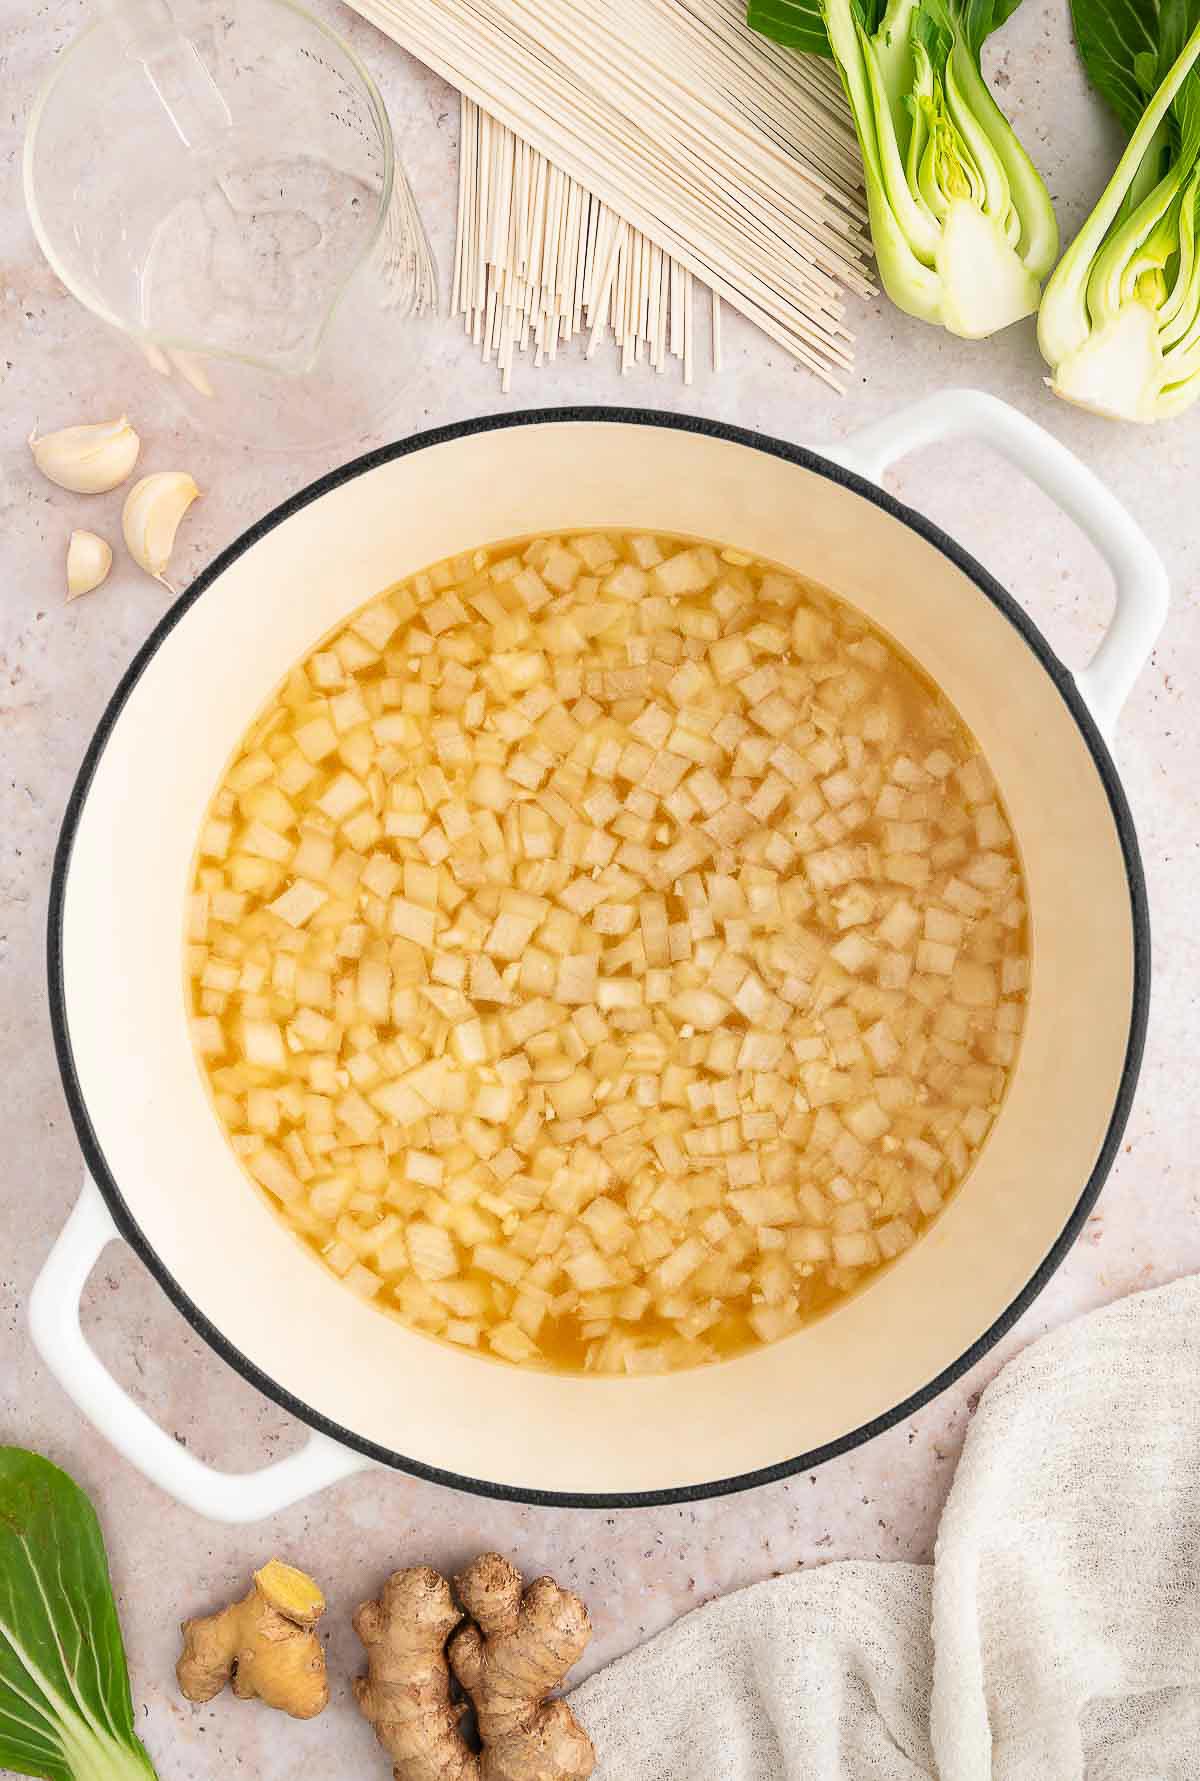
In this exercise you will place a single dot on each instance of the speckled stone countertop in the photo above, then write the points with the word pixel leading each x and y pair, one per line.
pixel 58 665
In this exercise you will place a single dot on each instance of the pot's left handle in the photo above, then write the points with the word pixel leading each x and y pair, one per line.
pixel 59 1339
pixel 1137 569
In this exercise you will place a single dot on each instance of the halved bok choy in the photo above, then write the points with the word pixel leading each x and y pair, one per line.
pixel 1120 321
pixel 962 225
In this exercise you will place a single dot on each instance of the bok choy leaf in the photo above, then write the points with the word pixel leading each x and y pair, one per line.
pixel 1120 321
pixel 66 1712
pixel 962 226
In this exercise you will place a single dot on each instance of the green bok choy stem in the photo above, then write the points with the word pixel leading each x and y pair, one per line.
pixel 962 225
pixel 1120 321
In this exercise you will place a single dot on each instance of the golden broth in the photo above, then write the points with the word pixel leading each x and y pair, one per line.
pixel 607 951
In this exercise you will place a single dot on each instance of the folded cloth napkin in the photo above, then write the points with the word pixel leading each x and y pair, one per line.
pixel 1056 1636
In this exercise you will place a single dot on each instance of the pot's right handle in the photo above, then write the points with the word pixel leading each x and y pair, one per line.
pixel 59 1339
pixel 1138 572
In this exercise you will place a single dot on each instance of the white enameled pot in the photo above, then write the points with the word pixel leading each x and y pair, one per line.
pixel 162 1176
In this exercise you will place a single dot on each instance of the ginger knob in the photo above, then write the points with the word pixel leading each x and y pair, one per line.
pixel 514 1650
pixel 405 1694
pixel 265 1645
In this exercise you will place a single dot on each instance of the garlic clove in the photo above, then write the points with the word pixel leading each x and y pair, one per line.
pixel 150 519
pixel 87 460
pixel 89 559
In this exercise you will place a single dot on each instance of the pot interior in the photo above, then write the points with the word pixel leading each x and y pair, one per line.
pixel 271 1301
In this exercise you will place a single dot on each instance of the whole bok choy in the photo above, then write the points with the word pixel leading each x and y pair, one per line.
pixel 962 226
pixel 1120 321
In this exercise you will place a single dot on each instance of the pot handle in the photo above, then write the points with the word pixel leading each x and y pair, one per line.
pixel 1137 568
pixel 59 1339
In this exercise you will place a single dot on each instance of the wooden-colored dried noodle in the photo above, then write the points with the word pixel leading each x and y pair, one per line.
pixel 604 160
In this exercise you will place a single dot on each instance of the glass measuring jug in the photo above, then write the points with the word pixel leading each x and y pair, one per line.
pixel 219 183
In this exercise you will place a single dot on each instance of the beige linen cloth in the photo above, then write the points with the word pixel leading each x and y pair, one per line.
pixel 1056 1635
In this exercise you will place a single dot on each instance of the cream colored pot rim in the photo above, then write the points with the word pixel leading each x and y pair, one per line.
pixel 804 459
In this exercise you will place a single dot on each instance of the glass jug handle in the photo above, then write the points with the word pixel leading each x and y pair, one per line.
pixel 181 81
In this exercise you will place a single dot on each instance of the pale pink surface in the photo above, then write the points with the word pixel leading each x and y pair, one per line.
pixel 638 1570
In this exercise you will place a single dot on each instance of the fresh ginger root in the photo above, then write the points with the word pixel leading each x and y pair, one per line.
pixel 406 1691
pixel 517 1647
pixel 265 1643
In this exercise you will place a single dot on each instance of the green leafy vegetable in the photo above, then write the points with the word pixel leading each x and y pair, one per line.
pixel 1120 321
pixel 66 1712
pixel 795 23
pixel 962 225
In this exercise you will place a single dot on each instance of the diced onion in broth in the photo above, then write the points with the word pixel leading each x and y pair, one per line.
pixel 606 952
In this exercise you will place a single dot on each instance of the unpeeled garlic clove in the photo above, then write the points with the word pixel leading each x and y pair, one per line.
pixel 153 509
pixel 89 559
pixel 87 460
